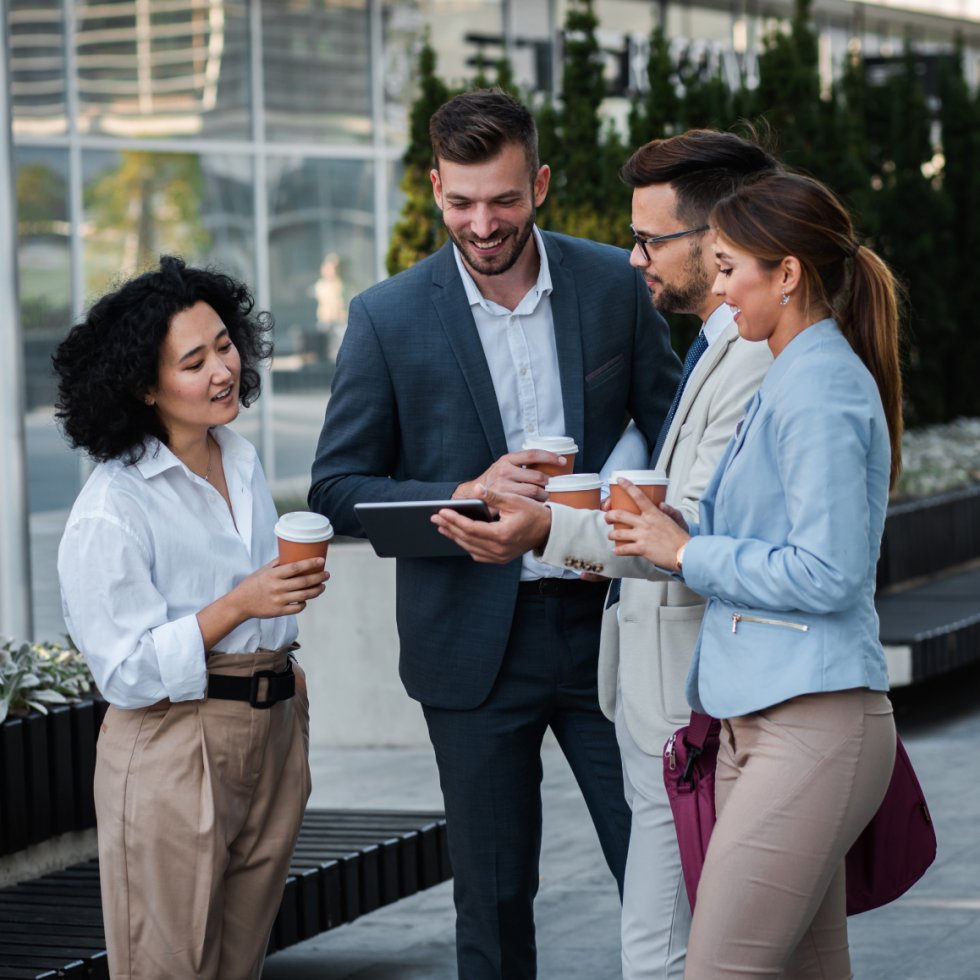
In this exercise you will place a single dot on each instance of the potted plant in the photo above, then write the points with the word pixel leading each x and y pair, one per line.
pixel 36 676
pixel 49 718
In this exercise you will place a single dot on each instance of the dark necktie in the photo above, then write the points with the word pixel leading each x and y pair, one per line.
pixel 692 357
pixel 694 353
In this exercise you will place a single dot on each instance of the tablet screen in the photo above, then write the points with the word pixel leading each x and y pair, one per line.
pixel 403 529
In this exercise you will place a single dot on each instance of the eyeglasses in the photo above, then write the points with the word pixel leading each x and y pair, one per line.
pixel 658 239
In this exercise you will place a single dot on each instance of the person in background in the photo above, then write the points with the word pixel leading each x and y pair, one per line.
pixel 785 552
pixel 446 369
pixel 172 591
pixel 649 628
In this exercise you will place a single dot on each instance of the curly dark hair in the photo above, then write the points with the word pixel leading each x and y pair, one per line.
pixel 110 360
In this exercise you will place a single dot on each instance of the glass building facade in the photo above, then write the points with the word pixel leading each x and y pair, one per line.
pixel 265 137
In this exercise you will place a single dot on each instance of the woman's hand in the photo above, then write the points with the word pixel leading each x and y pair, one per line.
pixel 270 591
pixel 280 590
pixel 656 533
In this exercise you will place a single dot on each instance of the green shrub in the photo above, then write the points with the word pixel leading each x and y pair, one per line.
pixel 34 676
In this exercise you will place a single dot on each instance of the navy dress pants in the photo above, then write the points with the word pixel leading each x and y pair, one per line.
pixel 489 761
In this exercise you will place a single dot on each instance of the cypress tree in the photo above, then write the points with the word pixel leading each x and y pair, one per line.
pixel 582 91
pixel 788 95
pixel 656 114
pixel 505 77
pixel 707 101
pixel 960 121
pixel 845 125
pixel 419 231
pixel 914 238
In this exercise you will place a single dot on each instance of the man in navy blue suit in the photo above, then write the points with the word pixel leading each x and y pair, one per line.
pixel 506 333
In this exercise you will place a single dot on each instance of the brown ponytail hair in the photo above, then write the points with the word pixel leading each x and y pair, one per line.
pixel 780 214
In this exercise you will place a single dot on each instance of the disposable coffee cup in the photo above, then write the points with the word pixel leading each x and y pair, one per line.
pixel 579 490
pixel 302 535
pixel 653 484
pixel 560 446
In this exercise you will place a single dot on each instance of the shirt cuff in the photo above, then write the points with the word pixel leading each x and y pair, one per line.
pixel 180 657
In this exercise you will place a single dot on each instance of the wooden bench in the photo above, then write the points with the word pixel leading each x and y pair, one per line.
pixel 347 862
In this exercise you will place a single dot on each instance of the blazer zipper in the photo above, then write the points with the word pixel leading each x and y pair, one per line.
pixel 742 618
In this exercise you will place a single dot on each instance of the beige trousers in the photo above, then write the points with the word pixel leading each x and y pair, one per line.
pixel 199 804
pixel 795 786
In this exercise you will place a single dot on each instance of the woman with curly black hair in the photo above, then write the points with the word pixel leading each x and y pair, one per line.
pixel 171 589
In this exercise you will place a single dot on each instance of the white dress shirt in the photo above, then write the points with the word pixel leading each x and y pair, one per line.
pixel 146 547
pixel 521 353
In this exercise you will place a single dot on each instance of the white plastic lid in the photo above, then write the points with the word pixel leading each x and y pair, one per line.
pixel 560 445
pixel 304 527
pixel 568 482
pixel 642 478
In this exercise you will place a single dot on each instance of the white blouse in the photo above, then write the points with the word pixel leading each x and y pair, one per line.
pixel 146 547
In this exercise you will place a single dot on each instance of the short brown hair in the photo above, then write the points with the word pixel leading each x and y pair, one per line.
pixel 701 165
pixel 475 126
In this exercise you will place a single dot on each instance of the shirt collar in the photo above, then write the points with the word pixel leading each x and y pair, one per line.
pixel 717 322
pixel 542 286
pixel 158 458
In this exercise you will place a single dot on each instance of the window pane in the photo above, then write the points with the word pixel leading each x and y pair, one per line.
pixel 321 253
pixel 44 275
pixel 317 63
pixel 153 69
pixel 45 309
pixel 139 206
pixel 37 67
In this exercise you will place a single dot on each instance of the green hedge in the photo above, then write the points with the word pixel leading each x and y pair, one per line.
pixel 915 202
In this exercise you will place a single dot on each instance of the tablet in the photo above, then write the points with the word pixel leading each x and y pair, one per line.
pixel 402 529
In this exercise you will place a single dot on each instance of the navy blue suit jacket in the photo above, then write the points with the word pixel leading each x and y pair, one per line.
pixel 413 414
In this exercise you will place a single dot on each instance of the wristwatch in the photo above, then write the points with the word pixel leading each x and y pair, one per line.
pixel 679 557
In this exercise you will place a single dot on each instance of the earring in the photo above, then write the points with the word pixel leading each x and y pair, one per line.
pixel 149 401
pixel 784 300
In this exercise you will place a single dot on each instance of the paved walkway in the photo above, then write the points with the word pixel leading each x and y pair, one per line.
pixel 933 933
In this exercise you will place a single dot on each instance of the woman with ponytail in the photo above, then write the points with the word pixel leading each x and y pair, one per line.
pixel 785 551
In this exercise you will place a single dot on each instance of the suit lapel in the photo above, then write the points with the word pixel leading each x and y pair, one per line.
pixel 702 371
pixel 743 427
pixel 449 299
pixel 568 342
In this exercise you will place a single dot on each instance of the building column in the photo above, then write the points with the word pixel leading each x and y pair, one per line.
pixel 15 560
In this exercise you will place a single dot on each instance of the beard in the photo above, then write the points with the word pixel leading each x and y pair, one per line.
pixel 515 238
pixel 686 295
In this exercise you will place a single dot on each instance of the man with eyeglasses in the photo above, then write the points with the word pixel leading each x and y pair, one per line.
pixel 651 624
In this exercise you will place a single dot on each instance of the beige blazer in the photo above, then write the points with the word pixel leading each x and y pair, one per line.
pixel 648 637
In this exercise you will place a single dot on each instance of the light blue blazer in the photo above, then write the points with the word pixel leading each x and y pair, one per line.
pixel 789 534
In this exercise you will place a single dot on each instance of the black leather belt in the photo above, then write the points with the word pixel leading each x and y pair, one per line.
pixel 278 687
pixel 561 588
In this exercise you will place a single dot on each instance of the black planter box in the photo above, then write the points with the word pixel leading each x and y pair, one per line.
pixel 929 535
pixel 47 763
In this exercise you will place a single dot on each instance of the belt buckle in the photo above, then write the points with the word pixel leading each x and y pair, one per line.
pixel 253 697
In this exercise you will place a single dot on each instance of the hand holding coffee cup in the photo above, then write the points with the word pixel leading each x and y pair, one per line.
pixel 302 534
pixel 580 490
pixel 560 446
pixel 648 528
pixel 652 483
